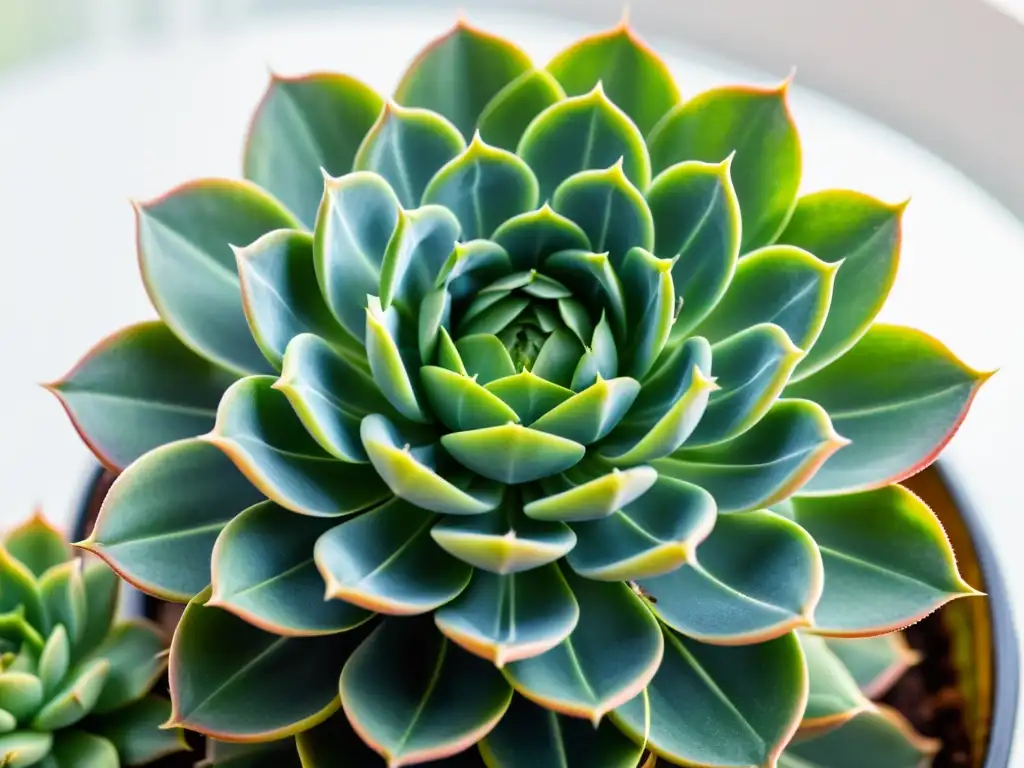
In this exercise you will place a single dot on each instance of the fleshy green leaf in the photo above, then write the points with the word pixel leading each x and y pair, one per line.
pixel 572 500
pixel 559 357
pixel 55 660
pixel 102 588
pixel 755 124
pixel 136 733
pixel 161 517
pixel 321 746
pixel 767 463
pixel 63 594
pixel 139 389
pixel 259 431
pixel 899 395
pixel 864 234
pixel 621 62
pixel 24 748
pixel 608 659
pixel 471 266
pixel 697 219
pixel 755 578
pixel 37 545
pixel 20 591
pixel 459 73
pixel 484 357
pixel 504 541
pixel 413 474
pixel 588 416
pixel 330 393
pixel 654 535
pixel 511 616
pixel 582 133
pixel 420 246
pixel 881 738
pixel 276 754
pixel 391 361
pixel 407 146
pixel 871 586
pixel 185 240
pixel 528 395
pixel 438 701
pixel 302 125
pixel 650 307
pixel 83 750
pixel 281 295
pixel 264 573
pixel 593 281
pixel 74 700
pixel 609 209
pixel 876 663
pixel 530 238
pixel 386 561
pixel 505 118
pixel 512 453
pixel 357 217
pixel 460 403
pixel 834 697
pixel 751 369
pixel 529 736
pixel 18 632
pixel 483 187
pixel 21 693
pixel 779 284
pixel 742 704
pixel 134 650
pixel 231 680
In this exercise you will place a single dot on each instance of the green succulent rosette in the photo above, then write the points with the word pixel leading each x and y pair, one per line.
pixel 75 684
pixel 532 409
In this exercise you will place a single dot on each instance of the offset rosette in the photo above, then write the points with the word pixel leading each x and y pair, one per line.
pixel 75 685
pixel 527 397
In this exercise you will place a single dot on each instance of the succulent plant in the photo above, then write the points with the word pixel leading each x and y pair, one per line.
pixel 74 684
pixel 530 409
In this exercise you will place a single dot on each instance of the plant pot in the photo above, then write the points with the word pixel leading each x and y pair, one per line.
pixel 964 693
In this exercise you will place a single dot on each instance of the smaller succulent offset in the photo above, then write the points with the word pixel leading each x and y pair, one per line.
pixel 74 685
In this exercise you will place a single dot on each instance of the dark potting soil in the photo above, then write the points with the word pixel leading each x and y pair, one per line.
pixel 927 695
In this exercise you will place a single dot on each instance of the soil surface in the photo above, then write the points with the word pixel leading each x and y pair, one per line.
pixel 926 695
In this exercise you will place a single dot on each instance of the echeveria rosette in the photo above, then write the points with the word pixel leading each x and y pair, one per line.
pixel 552 385
pixel 75 685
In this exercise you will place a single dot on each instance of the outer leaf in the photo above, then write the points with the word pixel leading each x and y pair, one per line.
pixel 529 736
pixel 583 133
pixel 437 702
pixel 508 617
pixel 21 693
pixel 654 535
pixel 134 651
pixel 619 60
pixel 900 396
pixel 260 433
pixel 751 369
pixel 743 704
pixel 87 750
pixel 304 124
pixel 876 663
pixel 512 453
pixel 483 187
pixel 139 389
pixel 697 219
pixel 385 561
pixel 136 734
pixel 279 754
pixel 37 545
pixel 184 241
pixel 834 696
pixel 531 237
pixel 281 296
pixel 780 284
pixel 880 738
pixel 231 680
pixel 407 146
pixel 459 73
pixel 413 476
pixel 864 234
pixel 871 586
pixel 755 124
pixel 755 578
pixel 765 464
pixel 161 517
pixel 507 115
pixel 321 746
pixel 609 209
pixel 610 657
pixel 330 393
pixel 264 573
pixel 504 541
pixel 577 499
pixel 357 217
